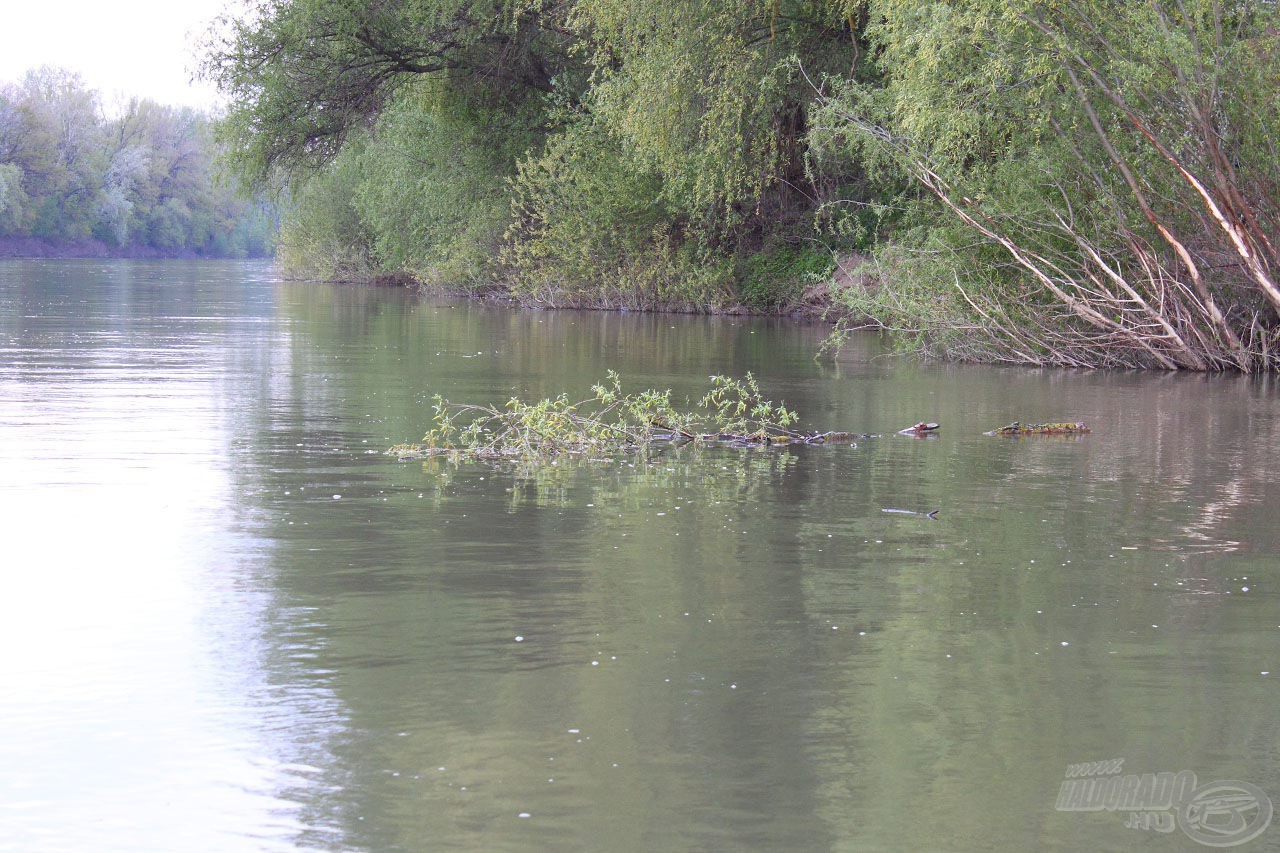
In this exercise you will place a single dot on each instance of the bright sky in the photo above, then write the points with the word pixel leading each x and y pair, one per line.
pixel 122 48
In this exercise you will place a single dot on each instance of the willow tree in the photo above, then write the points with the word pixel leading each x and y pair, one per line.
pixel 392 123
pixel 1109 175
pixel 672 132
pixel 708 94
pixel 686 156
pixel 303 75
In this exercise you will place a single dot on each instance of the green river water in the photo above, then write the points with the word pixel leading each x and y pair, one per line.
pixel 229 621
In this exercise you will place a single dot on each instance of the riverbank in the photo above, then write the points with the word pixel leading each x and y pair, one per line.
pixel 812 299
pixel 815 304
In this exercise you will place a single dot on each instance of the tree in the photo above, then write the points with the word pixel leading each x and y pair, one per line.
pixel 1111 170
pixel 700 108
pixel 146 180
pixel 302 75
pixel 52 134
pixel 13 199
pixel 707 95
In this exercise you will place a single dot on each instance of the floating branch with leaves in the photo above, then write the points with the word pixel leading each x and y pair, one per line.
pixel 611 421
pixel 1018 428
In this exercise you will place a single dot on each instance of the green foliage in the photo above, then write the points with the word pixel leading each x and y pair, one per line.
pixel 321 233
pixel 303 75
pixel 609 422
pixel 590 228
pixel 691 92
pixel 424 195
pixel 434 192
pixel 146 180
pixel 1105 180
pixel 1077 183
pixel 606 151
pixel 775 279
pixel 736 407
pixel 13 199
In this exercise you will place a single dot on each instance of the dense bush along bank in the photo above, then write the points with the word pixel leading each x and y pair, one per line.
pixel 1084 184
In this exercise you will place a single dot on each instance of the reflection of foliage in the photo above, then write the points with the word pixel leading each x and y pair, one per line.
pixel 623 483
pixel 605 424
pixel 740 472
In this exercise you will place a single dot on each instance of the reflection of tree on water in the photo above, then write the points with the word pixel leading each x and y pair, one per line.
pixel 624 483
pixel 807 695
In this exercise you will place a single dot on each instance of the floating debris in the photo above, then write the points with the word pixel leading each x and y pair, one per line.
pixel 1064 428
pixel 931 514
pixel 922 428
pixel 733 413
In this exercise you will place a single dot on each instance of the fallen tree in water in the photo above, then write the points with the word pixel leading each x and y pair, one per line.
pixel 611 421
pixel 1111 200
pixel 1065 428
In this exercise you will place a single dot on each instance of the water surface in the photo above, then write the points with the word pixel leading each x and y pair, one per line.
pixel 229 621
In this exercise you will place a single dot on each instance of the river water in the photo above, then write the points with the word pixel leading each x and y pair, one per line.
pixel 229 621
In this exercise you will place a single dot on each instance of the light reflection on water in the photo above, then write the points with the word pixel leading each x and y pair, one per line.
pixel 230 622
pixel 132 618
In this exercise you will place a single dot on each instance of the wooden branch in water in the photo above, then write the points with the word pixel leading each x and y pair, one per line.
pixel 1065 428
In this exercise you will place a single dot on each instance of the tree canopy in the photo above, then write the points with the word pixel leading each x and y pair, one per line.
pixel 680 126
pixel 303 75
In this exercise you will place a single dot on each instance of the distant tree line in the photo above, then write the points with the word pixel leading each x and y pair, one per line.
pixel 144 182
pixel 1075 183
